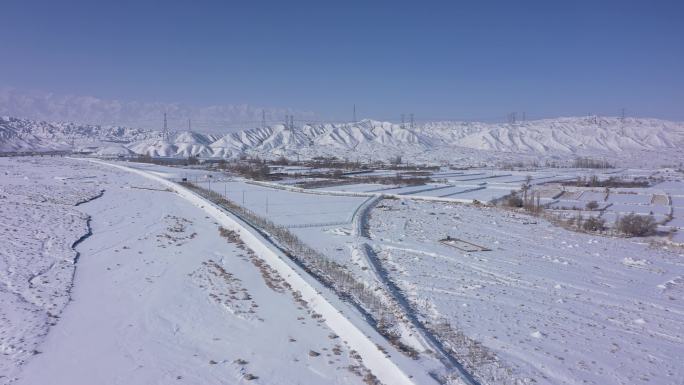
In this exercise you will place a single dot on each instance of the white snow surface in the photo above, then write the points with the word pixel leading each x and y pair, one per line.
pixel 555 306
pixel 158 295
pixel 39 224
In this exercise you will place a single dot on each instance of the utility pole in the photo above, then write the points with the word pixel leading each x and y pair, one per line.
pixel 354 114
pixel 412 122
pixel 402 120
pixel 263 118
pixel 622 115
pixel 291 122
pixel 243 198
pixel 189 125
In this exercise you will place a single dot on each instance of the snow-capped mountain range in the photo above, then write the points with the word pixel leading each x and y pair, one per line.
pixel 368 139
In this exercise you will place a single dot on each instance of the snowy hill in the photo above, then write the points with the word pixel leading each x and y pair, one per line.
pixel 444 141
pixel 432 142
pixel 565 135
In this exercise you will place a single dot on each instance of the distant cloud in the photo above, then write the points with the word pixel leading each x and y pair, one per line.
pixel 48 106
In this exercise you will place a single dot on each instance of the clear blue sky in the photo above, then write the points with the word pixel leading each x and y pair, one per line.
pixel 449 59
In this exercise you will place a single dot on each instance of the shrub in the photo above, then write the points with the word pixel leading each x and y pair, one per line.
pixel 637 225
pixel 514 200
pixel 593 205
pixel 594 224
pixel 282 161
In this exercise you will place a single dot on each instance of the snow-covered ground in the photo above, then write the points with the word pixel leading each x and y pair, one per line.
pixel 555 306
pixel 152 292
pixel 159 296
pixel 39 225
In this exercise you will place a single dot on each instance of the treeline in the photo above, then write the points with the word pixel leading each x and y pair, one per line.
pixel 399 179
pixel 581 162
pixel 586 162
pixel 612 182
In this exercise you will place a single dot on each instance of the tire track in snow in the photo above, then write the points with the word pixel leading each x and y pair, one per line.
pixel 361 231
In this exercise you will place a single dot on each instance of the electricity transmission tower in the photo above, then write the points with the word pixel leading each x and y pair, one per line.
pixel 289 122
pixel 165 130
pixel 512 118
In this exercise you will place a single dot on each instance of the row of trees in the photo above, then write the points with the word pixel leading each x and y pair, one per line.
pixel 475 357
pixel 394 163
pixel 612 182
pixel 586 162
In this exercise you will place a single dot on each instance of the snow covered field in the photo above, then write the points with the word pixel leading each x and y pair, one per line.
pixel 153 292
pixel 159 296
pixel 555 306
pixel 39 224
